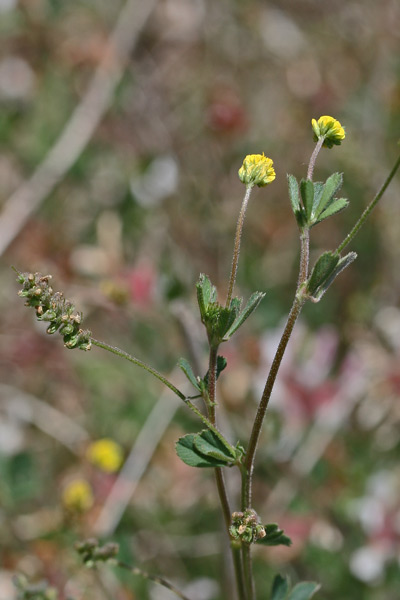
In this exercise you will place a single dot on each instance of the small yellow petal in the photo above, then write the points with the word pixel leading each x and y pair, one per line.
pixel 105 454
pixel 328 128
pixel 257 169
pixel 77 495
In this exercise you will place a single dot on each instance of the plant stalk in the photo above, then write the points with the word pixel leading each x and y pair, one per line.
pixel 369 208
pixel 139 363
pixel 236 248
pixel 262 408
pixel 311 164
pixel 222 493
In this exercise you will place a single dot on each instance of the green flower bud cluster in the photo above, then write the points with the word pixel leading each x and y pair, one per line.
pixel 92 552
pixel 54 308
pixel 246 526
pixel 34 591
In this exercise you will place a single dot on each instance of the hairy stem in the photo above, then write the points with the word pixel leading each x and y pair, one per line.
pixel 262 408
pixel 369 208
pixel 211 425
pixel 236 248
pixel 248 571
pixel 311 164
pixel 222 493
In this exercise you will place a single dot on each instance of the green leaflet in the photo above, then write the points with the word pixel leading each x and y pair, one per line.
pixel 274 536
pixel 187 369
pixel 209 444
pixel 251 305
pixel 280 588
pixel 333 208
pixel 221 365
pixel 327 268
pixel 304 590
pixel 321 271
pixel 332 185
pixel 297 207
pixel 307 195
pixel 188 453
pixel 205 449
pixel 206 294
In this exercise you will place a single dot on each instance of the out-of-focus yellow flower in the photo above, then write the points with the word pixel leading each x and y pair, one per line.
pixel 105 454
pixel 257 169
pixel 77 495
pixel 330 129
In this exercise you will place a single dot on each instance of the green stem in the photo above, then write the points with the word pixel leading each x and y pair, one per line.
pixel 369 208
pixel 248 571
pixel 222 493
pixel 236 248
pixel 165 381
pixel 155 578
pixel 139 363
pixel 311 164
pixel 262 408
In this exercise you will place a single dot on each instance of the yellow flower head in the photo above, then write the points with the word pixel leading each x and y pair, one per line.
pixel 330 129
pixel 77 495
pixel 257 169
pixel 105 454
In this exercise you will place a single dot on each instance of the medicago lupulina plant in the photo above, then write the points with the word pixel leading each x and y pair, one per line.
pixel 312 202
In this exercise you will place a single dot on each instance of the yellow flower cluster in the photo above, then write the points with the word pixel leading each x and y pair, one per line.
pixel 105 454
pixel 257 169
pixel 77 495
pixel 330 129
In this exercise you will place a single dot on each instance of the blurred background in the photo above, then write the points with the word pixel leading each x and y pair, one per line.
pixel 122 127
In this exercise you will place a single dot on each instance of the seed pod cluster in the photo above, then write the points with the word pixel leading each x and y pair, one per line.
pixel 53 308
